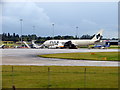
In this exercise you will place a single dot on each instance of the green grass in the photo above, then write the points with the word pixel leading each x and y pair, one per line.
pixel 114 47
pixel 59 77
pixel 109 56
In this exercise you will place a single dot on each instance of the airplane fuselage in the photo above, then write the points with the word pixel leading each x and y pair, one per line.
pixel 75 42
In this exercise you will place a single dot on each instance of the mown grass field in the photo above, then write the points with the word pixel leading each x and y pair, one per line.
pixel 114 47
pixel 59 77
pixel 108 56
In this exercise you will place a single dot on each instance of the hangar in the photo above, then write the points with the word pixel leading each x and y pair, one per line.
pixel 113 42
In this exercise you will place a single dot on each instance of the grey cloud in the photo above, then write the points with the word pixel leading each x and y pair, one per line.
pixel 29 12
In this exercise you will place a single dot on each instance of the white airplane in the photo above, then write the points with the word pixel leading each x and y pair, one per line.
pixel 26 44
pixel 72 44
pixel 35 45
pixel 2 46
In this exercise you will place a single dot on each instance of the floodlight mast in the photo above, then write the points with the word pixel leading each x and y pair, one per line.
pixel 77 32
pixel 21 20
pixel 33 32
pixel 53 29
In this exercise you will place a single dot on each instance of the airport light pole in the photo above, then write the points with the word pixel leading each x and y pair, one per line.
pixel 33 32
pixel 76 31
pixel 21 28
pixel 33 29
pixel 53 30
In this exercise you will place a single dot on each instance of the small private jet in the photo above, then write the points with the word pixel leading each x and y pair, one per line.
pixel 102 46
pixel 71 44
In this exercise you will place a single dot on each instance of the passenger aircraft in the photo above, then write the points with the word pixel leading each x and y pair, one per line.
pixel 71 44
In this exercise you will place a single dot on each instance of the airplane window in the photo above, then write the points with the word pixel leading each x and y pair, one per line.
pixel 51 42
pixel 57 41
pixel 63 43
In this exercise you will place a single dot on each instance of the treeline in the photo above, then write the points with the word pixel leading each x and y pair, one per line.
pixel 15 37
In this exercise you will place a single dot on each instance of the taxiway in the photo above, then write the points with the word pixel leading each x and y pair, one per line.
pixel 29 57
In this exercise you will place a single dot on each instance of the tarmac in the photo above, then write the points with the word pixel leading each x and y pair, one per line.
pixel 29 57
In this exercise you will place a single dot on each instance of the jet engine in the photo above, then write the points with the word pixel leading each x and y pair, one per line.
pixel 69 45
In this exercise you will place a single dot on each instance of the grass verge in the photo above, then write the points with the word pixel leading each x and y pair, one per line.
pixel 59 77
pixel 114 47
pixel 107 56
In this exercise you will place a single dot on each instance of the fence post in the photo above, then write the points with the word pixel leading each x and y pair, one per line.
pixel 13 79
pixel 48 77
pixel 85 78
pixel 12 76
pixel 13 87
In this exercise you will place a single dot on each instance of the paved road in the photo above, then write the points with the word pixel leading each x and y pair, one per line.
pixel 29 57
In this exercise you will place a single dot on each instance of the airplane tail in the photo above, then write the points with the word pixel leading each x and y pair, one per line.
pixel 2 46
pixel 26 44
pixel 35 45
pixel 98 36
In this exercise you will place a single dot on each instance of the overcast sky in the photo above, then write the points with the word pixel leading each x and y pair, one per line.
pixel 88 16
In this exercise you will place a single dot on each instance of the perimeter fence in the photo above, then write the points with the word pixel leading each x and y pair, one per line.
pixel 59 77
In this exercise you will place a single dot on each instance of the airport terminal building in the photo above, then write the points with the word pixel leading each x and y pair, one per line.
pixel 113 42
